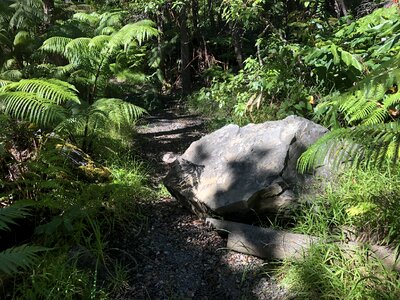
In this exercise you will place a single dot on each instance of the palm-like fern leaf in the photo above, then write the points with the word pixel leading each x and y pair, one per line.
pixel 104 116
pixel 26 13
pixel 9 214
pixel 23 256
pixel 11 75
pixel 369 145
pixel 56 44
pixel 29 107
pixel 117 111
pixel 92 19
pixel 37 100
pixel 56 91
pixel 15 258
pixel 97 44
pixel 110 20
pixel 369 101
pixel 4 82
pixel 140 31
pixel 77 51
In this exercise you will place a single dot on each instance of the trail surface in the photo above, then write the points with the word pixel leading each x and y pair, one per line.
pixel 177 256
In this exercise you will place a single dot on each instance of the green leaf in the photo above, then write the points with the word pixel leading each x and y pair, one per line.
pixel 350 60
pixel 9 214
pixel 336 59
pixel 21 257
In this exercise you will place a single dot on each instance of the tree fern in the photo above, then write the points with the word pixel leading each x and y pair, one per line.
pixel 21 257
pixel 27 13
pixel 9 214
pixel 372 107
pixel 370 100
pixel 37 100
pixel 104 117
pixel 56 91
pixel 117 112
pixel 91 19
pixel 56 44
pixel 366 145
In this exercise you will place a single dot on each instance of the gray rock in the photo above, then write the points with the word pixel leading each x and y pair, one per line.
pixel 236 170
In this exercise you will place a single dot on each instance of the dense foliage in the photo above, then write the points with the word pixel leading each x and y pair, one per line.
pixel 75 77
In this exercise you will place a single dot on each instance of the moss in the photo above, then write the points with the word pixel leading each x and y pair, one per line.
pixel 85 166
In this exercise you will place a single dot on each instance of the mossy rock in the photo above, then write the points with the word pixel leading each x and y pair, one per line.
pixel 76 160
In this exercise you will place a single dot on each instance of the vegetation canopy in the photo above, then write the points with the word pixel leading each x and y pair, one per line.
pixel 76 77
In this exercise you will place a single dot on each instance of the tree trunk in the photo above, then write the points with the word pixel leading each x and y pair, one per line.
pixel 237 44
pixel 160 42
pixel 185 52
pixel 210 13
pixel 195 15
pixel 339 7
pixel 48 9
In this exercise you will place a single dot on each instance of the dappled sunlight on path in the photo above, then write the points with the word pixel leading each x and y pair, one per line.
pixel 176 255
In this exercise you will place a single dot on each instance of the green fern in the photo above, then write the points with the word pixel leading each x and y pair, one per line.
pixel 10 213
pixel 37 100
pixel 89 59
pixel 368 106
pixel 56 91
pixel 363 145
pixel 21 257
pixel 369 101
pixel 117 112
pixel 105 116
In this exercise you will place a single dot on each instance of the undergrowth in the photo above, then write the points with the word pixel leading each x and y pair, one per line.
pixel 329 273
pixel 362 206
pixel 74 217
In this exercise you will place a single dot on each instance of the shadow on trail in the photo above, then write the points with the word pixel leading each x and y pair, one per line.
pixel 168 132
pixel 176 255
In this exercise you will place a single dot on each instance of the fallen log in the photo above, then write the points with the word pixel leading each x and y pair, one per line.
pixel 263 242
pixel 269 243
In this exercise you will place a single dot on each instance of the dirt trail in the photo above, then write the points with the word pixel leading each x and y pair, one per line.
pixel 177 256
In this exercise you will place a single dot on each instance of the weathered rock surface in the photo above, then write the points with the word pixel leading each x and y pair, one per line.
pixel 234 170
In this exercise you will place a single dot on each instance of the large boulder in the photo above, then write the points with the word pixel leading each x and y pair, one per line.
pixel 236 170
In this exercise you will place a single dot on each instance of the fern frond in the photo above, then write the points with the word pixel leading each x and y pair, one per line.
pixel 116 111
pixel 21 257
pixel 98 43
pixel 107 30
pixel 92 19
pixel 377 116
pixel 11 75
pixel 10 213
pixel 64 70
pixel 74 126
pixel 38 101
pixel 77 51
pixel 113 19
pixel 368 101
pixel 28 107
pixel 53 90
pixel 4 82
pixel 391 100
pixel 369 145
pixel 139 31
pixel 56 44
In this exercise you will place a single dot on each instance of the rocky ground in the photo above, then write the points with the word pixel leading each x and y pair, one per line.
pixel 176 255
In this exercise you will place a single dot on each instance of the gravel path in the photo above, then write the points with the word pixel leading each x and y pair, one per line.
pixel 177 256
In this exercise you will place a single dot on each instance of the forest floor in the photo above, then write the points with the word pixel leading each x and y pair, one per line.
pixel 177 256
